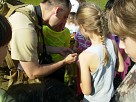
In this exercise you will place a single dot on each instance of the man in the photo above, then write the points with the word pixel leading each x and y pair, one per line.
pixel 24 42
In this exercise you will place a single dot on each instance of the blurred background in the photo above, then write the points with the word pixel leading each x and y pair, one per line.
pixel 101 3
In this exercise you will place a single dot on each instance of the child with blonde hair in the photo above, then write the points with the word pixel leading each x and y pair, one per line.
pixel 97 62
pixel 119 76
pixel 122 22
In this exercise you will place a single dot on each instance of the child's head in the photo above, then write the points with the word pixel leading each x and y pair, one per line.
pixel 122 22
pixel 5 36
pixel 71 18
pixel 92 20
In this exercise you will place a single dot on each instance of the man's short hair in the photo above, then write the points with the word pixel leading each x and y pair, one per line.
pixel 65 3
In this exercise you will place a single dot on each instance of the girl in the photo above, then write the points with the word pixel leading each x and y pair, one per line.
pixel 122 22
pixel 97 62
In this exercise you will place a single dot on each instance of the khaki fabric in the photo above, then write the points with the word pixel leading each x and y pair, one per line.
pixel 24 40
pixel 23 47
pixel 3 81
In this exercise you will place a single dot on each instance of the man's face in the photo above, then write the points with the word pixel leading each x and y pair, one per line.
pixel 129 45
pixel 58 20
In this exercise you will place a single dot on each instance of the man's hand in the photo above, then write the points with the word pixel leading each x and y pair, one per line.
pixel 70 58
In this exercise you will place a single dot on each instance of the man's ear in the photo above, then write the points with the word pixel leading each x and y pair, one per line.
pixel 58 11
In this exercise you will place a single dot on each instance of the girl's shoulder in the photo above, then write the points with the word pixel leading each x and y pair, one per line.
pixel 91 60
pixel 86 55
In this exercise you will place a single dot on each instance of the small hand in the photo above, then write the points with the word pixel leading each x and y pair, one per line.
pixel 64 51
pixel 70 58
pixel 77 50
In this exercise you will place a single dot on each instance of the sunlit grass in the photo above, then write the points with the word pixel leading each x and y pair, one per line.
pixel 101 3
pixel 34 2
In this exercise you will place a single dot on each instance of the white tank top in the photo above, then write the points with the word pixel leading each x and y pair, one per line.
pixel 103 76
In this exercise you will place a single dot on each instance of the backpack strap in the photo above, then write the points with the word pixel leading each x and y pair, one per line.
pixel 3 8
pixel 29 14
pixel 14 73
pixel 13 8
pixel 10 62
pixel 12 67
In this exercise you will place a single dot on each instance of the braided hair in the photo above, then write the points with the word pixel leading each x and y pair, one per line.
pixel 92 18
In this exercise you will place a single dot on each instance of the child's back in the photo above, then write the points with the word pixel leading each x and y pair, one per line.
pixel 103 75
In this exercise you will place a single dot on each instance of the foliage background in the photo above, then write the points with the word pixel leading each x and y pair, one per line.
pixel 101 3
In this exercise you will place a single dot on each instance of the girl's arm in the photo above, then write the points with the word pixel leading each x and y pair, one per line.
pixel 119 62
pixel 88 62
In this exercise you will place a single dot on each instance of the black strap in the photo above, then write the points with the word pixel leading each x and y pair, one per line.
pixel 40 22
pixel 39 15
